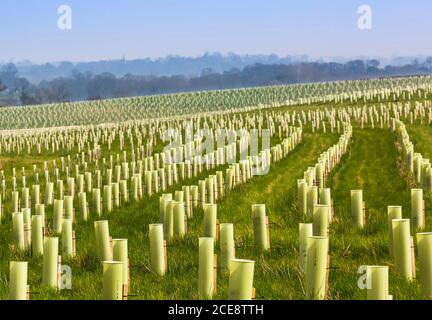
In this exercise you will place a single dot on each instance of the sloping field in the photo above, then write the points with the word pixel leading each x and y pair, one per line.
pixel 137 195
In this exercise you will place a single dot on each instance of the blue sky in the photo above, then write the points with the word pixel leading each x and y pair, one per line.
pixel 107 29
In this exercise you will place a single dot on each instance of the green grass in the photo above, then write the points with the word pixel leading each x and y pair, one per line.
pixel 180 282
pixel 371 164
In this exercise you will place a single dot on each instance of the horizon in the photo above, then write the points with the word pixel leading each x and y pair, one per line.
pixel 227 54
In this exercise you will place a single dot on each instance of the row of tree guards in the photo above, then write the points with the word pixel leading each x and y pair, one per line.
pixel 95 137
pixel 220 128
pixel 174 106
pixel 315 203
pixel 175 212
pixel 152 174
pixel 89 172
pixel 112 184
pixel 125 180
pixel 401 243
pixel 161 170
pixel 173 223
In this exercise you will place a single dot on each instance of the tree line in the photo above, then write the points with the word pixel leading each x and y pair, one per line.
pixel 89 86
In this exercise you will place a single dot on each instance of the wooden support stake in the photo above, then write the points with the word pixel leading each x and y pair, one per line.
pixel 413 265
pixel 73 244
pixel 165 255
pixel 327 278
pixel 125 291
pixel 129 272
pixel 253 293
pixel 331 211
pixel 28 293
pixel 215 274
pixel 25 233
pixel 59 267
pixel 268 231
pixel 217 229
pixel 364 213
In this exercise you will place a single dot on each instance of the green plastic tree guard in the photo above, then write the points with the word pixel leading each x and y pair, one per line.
pixel 305 231
pixel 227 246
pixel 169 220
pixel 82 198
pixel 18 280
pixel 112 280
pixel 37 234
pixel 67 239
pixel 18 230
pixel 179 219
pixel 210 220
pixel 49 193
pixel 163 201
pixel 357 208
pixel 120 253
pixel 96 201
pixel 321 217
pixel 157 254
pixel 116 194
pixel 195 199
pixel 302 196
pixel 259 219
pixel 40 210
pixel 124 191
pixel 393 212
pixel 107 198
pixel 27 227
pixel 402 248
pixel 417 210
pixel 241 279
pixel 68 208
pixel 424 246
pixel 50 262
pixel 316 272
pixel 379 284
pixel 58 215
pixel 312 199
pixel 206 285
pixel 103 241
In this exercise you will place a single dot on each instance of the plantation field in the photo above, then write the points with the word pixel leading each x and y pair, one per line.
pixel 372 135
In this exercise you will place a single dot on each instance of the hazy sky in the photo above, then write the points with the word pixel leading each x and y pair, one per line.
pixel 107 29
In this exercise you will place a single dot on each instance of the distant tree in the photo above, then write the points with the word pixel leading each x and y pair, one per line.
pixel 374 63
pixel 57 90
pixel 356 67
pixel 101 85
pixel 29 94
pixel 27 98
pixel 8 75
pixel 79 85
pixel 428 63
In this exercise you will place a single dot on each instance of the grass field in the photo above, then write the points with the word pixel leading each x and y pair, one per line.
pixel 372 163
